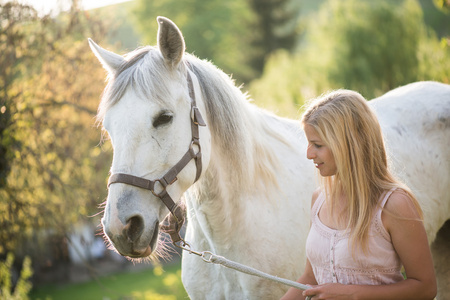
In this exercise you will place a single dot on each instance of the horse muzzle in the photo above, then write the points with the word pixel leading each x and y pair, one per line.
pixel 132 239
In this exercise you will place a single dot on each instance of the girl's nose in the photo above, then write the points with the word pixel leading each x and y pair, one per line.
pixel 310 153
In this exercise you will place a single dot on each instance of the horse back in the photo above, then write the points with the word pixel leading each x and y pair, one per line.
pixel 415 120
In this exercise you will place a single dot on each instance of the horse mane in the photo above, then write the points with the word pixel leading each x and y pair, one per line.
pixel 238 127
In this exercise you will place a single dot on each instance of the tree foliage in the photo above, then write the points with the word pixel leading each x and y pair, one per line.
pixel 236 35
pixel 213 30
pixel 51 174
pixel 375 44
pixel 368 46
pixel 443 5
pixel 275 28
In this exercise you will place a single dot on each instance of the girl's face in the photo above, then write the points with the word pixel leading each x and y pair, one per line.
pixel 319 152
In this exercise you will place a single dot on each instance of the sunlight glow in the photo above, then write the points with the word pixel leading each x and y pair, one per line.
pixel 47 6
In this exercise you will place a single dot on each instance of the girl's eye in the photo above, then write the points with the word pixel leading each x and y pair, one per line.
pixel 317 146
pixel 163 119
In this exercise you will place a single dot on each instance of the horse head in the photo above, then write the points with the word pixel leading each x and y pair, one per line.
pixel 150 109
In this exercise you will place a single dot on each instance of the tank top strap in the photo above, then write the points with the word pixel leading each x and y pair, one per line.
pixel 378 223
pixel 318 204
pixel 386 197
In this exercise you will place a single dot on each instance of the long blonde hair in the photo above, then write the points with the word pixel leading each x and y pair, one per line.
pixel 349 127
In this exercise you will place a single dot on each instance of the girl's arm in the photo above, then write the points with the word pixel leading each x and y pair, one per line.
pixel 308 275
pixel 409 238
pixel 306 278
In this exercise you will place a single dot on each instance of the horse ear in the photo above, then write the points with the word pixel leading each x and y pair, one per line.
pixel 109 60
pixel 170 41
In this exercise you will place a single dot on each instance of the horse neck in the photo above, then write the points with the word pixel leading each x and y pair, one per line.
pixel 227 199
pixel 233 182
pixel 243 160
pixel 217 204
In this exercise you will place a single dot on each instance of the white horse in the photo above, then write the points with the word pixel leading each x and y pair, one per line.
pixel 252 201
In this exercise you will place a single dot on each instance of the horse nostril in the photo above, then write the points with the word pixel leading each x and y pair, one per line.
pixel 134 228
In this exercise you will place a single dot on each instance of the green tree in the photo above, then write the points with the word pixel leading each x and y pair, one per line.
pixel 373 44
pixel 50 85
pixel 443 20
pixel 443 5
pixel 434 59
pixel 10 40
pixel 368 46
pixel 276 27
pixel 437 16
pixel 213 30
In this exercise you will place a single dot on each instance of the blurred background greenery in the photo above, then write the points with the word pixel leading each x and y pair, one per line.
pixel 53 167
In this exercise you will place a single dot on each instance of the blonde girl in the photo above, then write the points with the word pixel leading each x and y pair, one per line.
pixel 365 224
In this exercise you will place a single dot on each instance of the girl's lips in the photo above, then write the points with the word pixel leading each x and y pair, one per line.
pixel 318 165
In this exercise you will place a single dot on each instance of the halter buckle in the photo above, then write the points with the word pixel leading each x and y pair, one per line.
pixel 196 116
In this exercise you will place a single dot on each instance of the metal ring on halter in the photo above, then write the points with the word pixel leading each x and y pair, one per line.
pixel 192 151
pixel 164 185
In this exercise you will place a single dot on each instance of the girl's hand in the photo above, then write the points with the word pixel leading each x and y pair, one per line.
pixel 329 291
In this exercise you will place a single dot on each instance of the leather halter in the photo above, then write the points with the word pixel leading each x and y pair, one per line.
pixel 158 186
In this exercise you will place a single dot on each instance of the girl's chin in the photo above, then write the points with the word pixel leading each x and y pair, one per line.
pixel 326 173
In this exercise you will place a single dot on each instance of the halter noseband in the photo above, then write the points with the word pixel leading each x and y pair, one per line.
pixel 176 219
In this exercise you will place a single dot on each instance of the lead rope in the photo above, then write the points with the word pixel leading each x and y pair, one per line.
pixel 210 257
pixel 173 230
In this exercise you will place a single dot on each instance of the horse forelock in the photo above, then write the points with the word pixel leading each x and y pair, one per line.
pixel 145 71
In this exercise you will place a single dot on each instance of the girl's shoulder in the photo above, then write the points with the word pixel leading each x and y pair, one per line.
pixel 399 206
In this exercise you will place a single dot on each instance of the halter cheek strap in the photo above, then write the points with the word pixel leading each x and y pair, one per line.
pixel 158 186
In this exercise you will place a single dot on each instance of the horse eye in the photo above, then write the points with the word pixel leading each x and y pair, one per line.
pixel 162 119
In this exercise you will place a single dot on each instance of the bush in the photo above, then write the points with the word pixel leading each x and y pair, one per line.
pixel 23 285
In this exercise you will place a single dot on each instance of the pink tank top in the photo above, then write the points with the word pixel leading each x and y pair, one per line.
pixel 329 252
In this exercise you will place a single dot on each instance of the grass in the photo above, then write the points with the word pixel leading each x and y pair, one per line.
pixel 154 284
